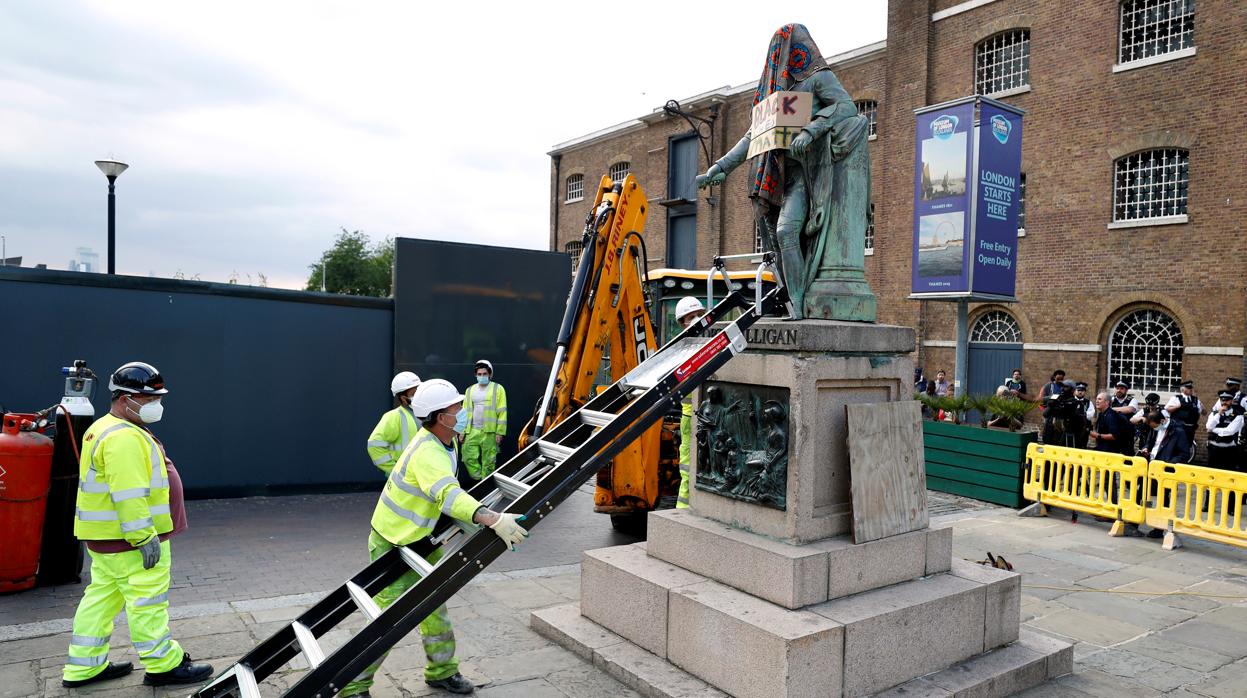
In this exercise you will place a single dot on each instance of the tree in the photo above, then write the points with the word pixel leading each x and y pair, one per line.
pixel 355 266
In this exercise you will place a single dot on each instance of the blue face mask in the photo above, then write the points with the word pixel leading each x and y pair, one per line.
pixel 461 421
pixel 482 380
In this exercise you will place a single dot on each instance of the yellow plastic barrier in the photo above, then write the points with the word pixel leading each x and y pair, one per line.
pixel 1092 482
pixel 1202 502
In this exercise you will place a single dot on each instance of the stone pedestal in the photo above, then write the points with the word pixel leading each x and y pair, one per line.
pixel 738 598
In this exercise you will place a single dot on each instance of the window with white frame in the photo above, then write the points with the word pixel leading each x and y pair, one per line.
pixel 575 188
pixel 618 171
pixel 574 248
pixel 1155 27
pixel 1151 184
pixel 1022 204
pixel 869 108
pixel 1003 62
pixel 1145 350
pixel 996 327
pixel 870 228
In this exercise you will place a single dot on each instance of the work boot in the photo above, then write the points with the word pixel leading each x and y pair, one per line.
pixel 455 684
pixel 114 670
pixel 186 672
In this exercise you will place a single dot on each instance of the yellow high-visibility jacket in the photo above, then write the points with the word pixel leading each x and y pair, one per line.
pixel 419 489
pixel 495 409
pixel 391 436
pixel 123 485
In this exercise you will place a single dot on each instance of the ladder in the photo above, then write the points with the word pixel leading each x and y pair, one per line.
pixel 532 483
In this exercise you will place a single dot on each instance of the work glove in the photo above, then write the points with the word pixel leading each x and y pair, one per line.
pixel 714 175
pixel 151 552
pixel 508 530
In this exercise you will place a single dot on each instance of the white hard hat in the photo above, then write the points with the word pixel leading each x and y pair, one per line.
pixel 486 364
pixel 688 304
pixel 433 395
pixel 404 381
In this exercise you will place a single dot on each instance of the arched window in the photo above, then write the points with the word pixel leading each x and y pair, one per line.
pixel 1151 184
pixel 996 327
pixel 575 188
pixel 1003 62
pixel 619 170
pixel 1145 350
pixel 574 248
pixel 869 108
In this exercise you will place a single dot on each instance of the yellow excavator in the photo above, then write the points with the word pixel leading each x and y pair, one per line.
pixel 606 332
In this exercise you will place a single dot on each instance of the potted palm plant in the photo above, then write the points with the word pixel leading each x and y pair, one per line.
pixel 983 458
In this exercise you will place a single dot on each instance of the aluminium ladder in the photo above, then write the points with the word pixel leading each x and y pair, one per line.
pixel 531 483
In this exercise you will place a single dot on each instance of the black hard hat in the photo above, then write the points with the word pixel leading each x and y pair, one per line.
pixel 137 377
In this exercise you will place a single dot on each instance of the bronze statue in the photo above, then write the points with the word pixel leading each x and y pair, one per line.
pixel 812 202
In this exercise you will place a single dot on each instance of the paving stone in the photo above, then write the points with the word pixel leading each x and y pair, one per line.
pixel 521 666
pixel 918 688
pixel 18 679
pixel 1027 563
pixel 750 647
pixel 625 590
pixel 535 688
pixel 565 585
pixel 523 594
pixel 206 625
pixel 1109 580
pixel 1208 636
pixel 40 648
pixel 1097 683
pixel 1126 608
pixel 1157 647
pixel 1032 608
pixel 1149 671
pixel 1088 627
pixel 1096 563
pixel 1229 681
pixel 565 626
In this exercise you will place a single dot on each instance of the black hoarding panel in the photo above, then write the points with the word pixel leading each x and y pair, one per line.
pixel 456 303
pixel 269 391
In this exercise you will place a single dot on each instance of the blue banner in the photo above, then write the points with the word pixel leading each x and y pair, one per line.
pixel 999 186
pixel 942 186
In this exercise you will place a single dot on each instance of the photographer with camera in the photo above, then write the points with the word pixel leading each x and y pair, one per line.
pixel 1064 419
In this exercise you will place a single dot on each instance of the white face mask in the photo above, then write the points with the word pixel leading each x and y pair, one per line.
pixel 150 412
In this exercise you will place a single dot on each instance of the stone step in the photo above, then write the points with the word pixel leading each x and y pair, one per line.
pixel 790 575
pixel 1030 661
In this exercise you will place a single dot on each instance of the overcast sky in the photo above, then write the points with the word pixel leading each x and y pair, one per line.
pixel 254 131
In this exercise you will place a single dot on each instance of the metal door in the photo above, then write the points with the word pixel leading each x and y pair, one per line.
pixel 991 364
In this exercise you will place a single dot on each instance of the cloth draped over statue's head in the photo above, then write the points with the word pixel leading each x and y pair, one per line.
pixel 791 57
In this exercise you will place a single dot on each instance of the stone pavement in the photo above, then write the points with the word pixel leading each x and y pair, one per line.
pixel 1146 622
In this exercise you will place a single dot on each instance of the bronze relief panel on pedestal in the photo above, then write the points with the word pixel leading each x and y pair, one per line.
pixel 742 442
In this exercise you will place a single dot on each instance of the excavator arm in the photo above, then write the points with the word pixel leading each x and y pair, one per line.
pixel 607 317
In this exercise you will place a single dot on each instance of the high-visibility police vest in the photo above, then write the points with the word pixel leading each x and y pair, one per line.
pixel 419 489
pixel 390 437
pixel 495 409
pixel 123 484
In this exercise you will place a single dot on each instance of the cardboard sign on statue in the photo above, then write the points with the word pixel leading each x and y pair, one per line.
pixel 778 119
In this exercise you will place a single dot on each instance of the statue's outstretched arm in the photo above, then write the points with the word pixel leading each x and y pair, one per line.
pixel 730 161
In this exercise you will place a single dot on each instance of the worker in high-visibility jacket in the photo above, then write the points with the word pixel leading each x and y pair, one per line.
pixel 422 487
pixel 687 311
pixel 129 505
pixel 394 431
pixel 486 405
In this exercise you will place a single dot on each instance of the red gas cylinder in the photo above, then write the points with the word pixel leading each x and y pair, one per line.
pixel 25 475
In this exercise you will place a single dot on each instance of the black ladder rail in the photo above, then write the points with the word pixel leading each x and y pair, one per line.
pixel 631 413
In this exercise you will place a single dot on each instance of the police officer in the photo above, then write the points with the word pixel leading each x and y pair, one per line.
pixel 1224 425
pixel 1122 402
pixel 486 405
pixel 420 488
pixel 1142 432
pixel 687 311
pixel 1186 409
pixel 1088 410
pixel 1235 386
pixel 393 432
pixel 129 505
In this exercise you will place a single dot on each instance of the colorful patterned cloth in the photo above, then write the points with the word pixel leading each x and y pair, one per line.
pixel 792 57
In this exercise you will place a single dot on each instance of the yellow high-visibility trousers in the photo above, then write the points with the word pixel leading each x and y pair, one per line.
pixel 118 580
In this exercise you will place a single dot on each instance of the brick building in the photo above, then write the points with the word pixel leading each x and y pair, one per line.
pixel 1133 182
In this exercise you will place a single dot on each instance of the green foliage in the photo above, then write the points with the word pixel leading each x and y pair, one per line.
pixel 1012 409
pixel 981 404
pixel 355 266
pixel 987 406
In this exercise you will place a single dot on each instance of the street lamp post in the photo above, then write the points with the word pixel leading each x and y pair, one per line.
pixel 112 169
